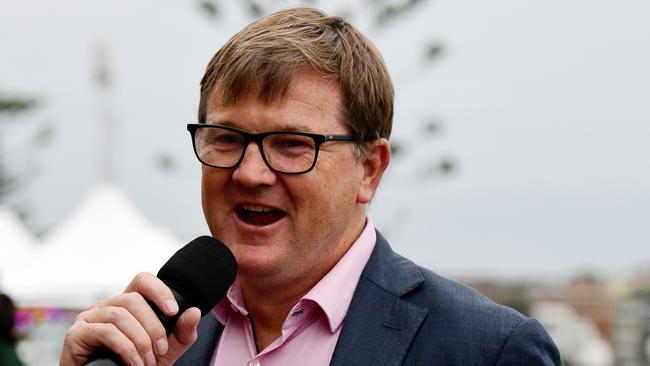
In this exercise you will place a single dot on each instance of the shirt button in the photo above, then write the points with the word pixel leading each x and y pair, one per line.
pixel 254 363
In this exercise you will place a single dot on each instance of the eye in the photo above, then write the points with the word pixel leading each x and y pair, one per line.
pixel 291 144
pixel 226 138
pixel 218 139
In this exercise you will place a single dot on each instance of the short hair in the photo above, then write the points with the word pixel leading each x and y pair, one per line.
pixel 268 53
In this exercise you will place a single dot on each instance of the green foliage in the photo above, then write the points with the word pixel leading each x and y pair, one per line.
pixel 642 294
pixel 15 105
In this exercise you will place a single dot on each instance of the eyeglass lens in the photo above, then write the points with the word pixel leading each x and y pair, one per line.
pixel 285 152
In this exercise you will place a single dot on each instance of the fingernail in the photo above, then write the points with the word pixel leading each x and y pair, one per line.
pixel 150 359
pixel 161 346
pixel 136 361
pixel 171 306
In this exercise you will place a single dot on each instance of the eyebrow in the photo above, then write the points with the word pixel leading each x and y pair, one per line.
pixel 288 128
pixel 283 128
pixel 225 123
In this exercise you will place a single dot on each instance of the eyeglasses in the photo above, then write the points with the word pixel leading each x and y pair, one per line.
pixel 283 151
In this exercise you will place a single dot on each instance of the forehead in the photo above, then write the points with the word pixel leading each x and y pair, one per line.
pixel 311 103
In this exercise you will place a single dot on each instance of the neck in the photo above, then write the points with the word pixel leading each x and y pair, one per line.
pixel 269 300
pixel 269 304
pixel 268 310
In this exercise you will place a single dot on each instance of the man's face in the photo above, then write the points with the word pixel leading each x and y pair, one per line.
pixel 280 226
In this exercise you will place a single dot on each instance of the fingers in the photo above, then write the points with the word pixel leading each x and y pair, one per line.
pixel 152 288
pixel 83 339
pixel 137 329
pixel 183 336
pixel 125 324
pixel 133 316
pixel 185 331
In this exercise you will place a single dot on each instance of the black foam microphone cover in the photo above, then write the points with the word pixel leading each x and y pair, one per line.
pixel 199 274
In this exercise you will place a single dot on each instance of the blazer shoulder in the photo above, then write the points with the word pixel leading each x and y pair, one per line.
pixel 465 326
pixel 455 299
pixel 439 295
pixel 460 311
pixel 472 329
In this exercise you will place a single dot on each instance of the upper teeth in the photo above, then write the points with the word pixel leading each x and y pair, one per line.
pixel 257 208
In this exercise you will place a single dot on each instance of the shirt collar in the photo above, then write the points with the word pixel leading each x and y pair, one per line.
pixel 333 293
pixel 233 301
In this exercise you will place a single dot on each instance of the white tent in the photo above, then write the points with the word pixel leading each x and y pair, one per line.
pixel 16 243
pixel 93 254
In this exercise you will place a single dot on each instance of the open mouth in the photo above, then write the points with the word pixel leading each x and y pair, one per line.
pixel 259 215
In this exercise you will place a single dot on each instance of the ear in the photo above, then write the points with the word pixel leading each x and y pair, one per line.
pixel 374 164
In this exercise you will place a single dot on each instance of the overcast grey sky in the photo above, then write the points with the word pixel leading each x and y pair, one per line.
pixel 544 105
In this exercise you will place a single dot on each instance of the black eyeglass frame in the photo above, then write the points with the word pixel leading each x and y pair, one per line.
pixel 258 137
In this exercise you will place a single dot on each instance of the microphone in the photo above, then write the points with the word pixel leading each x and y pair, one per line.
pixel 198 274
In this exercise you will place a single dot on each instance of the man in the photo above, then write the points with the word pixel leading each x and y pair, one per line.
pixel 294 120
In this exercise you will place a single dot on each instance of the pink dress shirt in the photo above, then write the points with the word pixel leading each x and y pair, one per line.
pixel 311 329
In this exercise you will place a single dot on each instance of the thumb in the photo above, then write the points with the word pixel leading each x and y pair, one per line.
pixel 183 336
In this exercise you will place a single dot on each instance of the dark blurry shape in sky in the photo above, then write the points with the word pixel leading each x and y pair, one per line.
pixel 391 10
pixel 209 8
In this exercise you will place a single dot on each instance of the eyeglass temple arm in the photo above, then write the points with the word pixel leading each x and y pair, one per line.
pixel 339 138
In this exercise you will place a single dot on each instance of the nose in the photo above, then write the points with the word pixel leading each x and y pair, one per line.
pixel 252 170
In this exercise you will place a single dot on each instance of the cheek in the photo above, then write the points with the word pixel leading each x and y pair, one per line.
pixel 212 180
pixel 212 188
pixel 330 194
pixel 206 191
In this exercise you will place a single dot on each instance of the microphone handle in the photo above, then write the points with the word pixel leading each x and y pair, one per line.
pixel 106 357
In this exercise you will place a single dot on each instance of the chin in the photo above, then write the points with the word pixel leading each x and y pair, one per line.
pixel 255 267
pixel 256 259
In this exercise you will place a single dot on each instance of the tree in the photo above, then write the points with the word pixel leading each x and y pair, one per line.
pixel 10 180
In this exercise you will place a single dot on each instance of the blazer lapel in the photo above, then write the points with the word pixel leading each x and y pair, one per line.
pixel 380 326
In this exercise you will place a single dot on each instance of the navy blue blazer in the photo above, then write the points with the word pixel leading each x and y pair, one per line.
pixel 403 314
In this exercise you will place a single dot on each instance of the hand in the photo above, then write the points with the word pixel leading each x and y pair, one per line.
pixel 127 326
